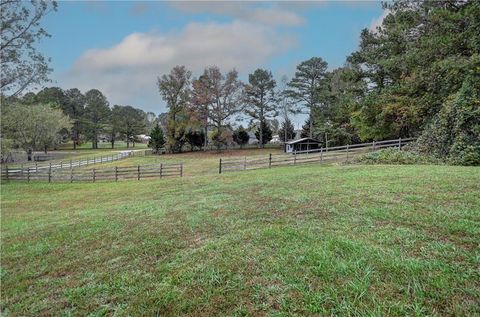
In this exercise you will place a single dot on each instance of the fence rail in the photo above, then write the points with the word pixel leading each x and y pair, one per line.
pixel 322 155
pixel 116 173
pixel 69 164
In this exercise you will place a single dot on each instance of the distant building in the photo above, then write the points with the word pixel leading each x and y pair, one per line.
pixel 304 144
pixel 275 139
pixel 143 138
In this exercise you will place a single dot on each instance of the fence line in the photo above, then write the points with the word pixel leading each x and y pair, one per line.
pixel 69 164
pixel 116 173
pixel 322 155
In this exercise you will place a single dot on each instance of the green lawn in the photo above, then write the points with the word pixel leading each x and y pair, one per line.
pixel 291 241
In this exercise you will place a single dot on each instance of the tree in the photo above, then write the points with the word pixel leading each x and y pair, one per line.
pixel 221 96
pixel 306 129
pixel 305 87
pixel 240 136
pixel 96 116
pixel 157 141
pixel 195 138
pixel 286 107
pixel 33 127
pixel 175 90
pixel 266 131
pixel 260 98
pixel 128 122
pixel 22 65
pixel 288 131
pixel 454 133
pixel 74 107
pixel 221 138
pixel 413 63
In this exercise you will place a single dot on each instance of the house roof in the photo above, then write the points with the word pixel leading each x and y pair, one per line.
pixel 304 140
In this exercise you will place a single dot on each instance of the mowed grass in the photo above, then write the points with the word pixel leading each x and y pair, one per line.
pixel 292 241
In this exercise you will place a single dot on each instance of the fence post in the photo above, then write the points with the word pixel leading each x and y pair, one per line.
pixel 36 167
pixel 21 166
pixel 116 173
pixel 399 143
pixel 6 171
pixel 373 145
pixel 70 163
pixel 161 167
pixel 181 169
pixel 71 175
pixel 61 164
pixel 245 163
pixel 138 170
pixel 101 159
pixel 220 167
pixel 28 174
pixel 93 175
pixel 295 157
pixel 321 155
pixel 347 152
pixel 270 161
pixel 50 173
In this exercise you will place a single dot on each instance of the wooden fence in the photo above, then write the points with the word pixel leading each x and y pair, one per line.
pixel 69 164
pixel 95 174
pixel 322 155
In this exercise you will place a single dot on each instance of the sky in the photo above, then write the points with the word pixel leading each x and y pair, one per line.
pixel 121 47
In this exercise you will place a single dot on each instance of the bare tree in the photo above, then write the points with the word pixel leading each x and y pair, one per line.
pixel 22 65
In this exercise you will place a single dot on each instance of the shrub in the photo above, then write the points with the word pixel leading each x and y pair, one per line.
pixel 394 156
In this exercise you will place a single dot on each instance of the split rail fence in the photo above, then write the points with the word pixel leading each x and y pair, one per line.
pixel 322 155
pixel 116 173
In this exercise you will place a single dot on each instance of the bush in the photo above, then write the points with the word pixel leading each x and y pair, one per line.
pixel 394 156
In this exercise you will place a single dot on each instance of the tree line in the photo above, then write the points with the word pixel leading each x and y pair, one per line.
pixel 38 121
pixel 416 75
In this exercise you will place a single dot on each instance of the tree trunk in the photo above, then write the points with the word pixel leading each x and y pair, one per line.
pixel 311 126
pixel 261 135
pixel 206 137
pixel 29 154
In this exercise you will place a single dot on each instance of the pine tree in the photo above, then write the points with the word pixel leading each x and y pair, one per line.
pixel 266 132
pixel 157 140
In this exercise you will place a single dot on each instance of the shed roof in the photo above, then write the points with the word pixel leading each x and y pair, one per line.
pixel 303 140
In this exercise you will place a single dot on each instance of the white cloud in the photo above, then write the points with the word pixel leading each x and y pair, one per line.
pixel 127 71
pixel 274 15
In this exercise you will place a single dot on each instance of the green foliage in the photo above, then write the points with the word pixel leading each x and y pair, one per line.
pixel 287 130
pixel 195 138
pixel 266 131
pixel 96 116
pixel 394 156
pixel 157 140
pixel 240 136
pixel 454 133
pixel 127 121
pixel 306 87
pixel 417 59
pixel 175 90
pixel 22 65
pixel 221 138
pixel 33 127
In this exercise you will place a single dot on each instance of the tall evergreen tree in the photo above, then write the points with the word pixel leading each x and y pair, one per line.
pixel 260 98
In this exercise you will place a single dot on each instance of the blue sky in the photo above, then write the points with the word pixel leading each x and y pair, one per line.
pixel 121 47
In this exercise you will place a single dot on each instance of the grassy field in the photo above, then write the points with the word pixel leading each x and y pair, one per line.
pixel 293 241
pixel 195 163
